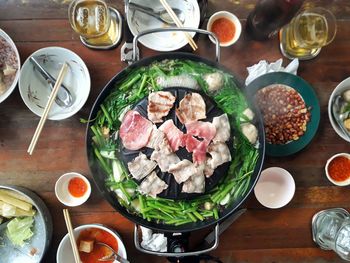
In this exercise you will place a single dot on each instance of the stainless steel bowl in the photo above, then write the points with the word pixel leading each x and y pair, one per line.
pixel 42 230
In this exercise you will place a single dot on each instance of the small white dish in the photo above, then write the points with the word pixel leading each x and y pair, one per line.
pixel 339 89
pixel 35 91
pixel 341 183
pixel 62 192
pixel 65 253
pixel 275 188
pixel 10 89
pixel 234 19
pixel 164 41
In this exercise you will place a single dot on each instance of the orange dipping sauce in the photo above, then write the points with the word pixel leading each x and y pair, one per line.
pixel 224 29
pixel 77 187
pixel 339 169
pixel 97 235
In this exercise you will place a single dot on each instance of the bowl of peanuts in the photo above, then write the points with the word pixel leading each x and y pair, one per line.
pixel 290 110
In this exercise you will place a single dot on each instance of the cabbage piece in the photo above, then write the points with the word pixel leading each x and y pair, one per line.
pixel 18 230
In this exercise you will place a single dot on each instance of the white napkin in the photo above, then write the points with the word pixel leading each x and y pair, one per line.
pixel 154 242
pixel 264 67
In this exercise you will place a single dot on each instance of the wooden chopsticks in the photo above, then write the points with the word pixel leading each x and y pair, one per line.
pixel 178 23
pixel 48 106
pixel 71 235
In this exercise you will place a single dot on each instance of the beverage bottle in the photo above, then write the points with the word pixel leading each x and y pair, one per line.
pixel 269 16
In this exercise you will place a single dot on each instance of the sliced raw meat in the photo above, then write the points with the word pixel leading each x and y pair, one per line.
pixel 196 183
pixel 199 148
pixel 191 143
pixel 200 153
pixel 156 138
pixel 152 185
pixel 219 153
pixel 202 129
pixel 135 130
pixel 173 134
pixel 164 156
pixel 141 166
pixel 159 105
pixel 223 129
pixel 183 170
pixel 192 108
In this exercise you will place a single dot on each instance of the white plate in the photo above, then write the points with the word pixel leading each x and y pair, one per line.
pixel 275 188
pixel 342 86
pixel 14 83
pixel 165 41
pixel 35 91
pixel 65 253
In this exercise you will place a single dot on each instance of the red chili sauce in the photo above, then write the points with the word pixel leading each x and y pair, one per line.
pixel 339 169
pixel 97 235
pixel 224 29
pixel 77 187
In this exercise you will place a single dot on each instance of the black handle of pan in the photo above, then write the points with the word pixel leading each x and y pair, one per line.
pixel 176 254
pixel 171 29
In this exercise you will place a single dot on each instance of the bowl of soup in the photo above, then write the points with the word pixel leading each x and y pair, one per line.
pixel 90 234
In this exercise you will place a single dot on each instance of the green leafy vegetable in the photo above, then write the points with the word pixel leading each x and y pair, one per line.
pixel 19 230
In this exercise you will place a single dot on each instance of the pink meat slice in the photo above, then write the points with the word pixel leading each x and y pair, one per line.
pixel 200 152
pixel 201 129
pixel 135 130
pixel 175 137
pixel 199 148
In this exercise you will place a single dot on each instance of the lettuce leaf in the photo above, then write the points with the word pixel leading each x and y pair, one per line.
pixel 18 230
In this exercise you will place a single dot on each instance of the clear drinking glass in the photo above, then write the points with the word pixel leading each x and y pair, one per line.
pixel 342 240
pixel 308 31
pixel 89 18
pixel 327 228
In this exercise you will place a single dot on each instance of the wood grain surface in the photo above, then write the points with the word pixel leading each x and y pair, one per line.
pixel 260 235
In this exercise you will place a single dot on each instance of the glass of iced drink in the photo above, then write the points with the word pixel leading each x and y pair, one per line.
pixel 89 18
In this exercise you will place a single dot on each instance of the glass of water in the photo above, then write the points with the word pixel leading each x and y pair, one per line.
pixel 342 240
pixel 327 226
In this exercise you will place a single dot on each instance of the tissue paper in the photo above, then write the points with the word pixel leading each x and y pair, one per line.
pixel 264 67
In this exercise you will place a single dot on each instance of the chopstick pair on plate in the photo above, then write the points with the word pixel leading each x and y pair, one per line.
pixel 48 106
pixel 179 24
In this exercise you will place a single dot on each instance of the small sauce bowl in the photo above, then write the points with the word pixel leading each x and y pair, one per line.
pixel 338 183
pixel 63 194
pixel 232 18
pixel 275 188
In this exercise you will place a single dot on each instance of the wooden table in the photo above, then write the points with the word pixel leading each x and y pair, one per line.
pixel 260 235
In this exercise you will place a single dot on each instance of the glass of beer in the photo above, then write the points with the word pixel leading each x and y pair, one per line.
pixel 307 33
pixel 89 18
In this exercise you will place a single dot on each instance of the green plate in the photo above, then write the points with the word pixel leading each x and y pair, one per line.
pixel 310 98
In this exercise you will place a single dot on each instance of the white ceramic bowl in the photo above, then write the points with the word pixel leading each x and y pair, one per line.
pixel 164 41
pixel 65 253
pixel 14 83
pixel 342 86
pixel 35 90
pixel 62 193
pixel 275 188
pixel 343 183
pixel 233 19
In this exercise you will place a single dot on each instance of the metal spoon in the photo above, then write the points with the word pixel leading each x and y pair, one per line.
pixel 112 256
pixel 335 112
pixel 161 15
pixel 64 98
